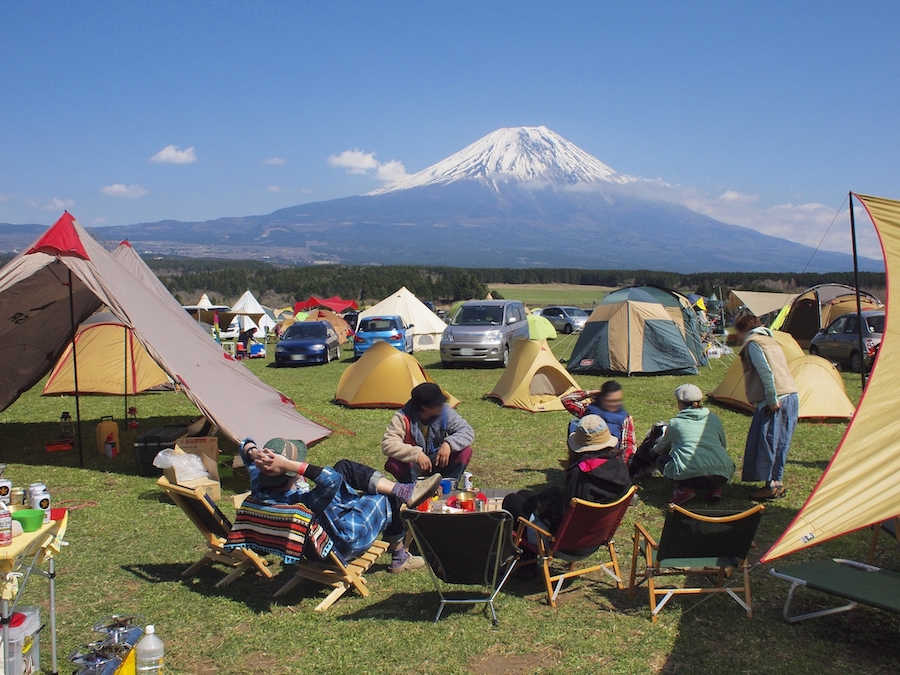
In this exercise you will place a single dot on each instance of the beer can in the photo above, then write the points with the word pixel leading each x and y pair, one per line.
pixel 5 490
pixel 17 496
pixel 467 482
pixel 36 488
pixel 41 501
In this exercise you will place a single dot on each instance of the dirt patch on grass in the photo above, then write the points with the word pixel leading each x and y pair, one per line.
pixel 512 664
pixel 260 663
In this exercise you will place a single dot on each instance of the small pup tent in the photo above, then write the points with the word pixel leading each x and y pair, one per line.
pixel 533 380
pixel 818 306
pixel 110 361
pixel 819 384
pixel 340 326
pixel 427 328
pixel 540 328
pixel 640 330
pixel 384 377
pixel 251 314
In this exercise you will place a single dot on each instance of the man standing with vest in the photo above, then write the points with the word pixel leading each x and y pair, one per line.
pixel 427 436
pixel 771 389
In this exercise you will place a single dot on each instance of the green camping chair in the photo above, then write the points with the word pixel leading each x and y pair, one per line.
pixel 704 543
pixel 892 527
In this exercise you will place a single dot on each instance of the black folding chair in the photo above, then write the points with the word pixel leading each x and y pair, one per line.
pixel 471 549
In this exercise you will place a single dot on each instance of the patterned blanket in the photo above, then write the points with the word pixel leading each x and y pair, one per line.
pixel 287 530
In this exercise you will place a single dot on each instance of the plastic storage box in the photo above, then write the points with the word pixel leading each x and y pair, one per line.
pixel 148 445
pixel 24 642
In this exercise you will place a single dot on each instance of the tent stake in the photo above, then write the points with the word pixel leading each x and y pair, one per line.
pixel 75 371
pixel 859 316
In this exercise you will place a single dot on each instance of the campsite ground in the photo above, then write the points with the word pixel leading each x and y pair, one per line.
pixel 128 546
pixel 543 295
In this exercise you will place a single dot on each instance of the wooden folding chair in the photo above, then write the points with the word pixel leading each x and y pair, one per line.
pixel 706 543
pixel 585 527
pixel 892 527
pixel 336 573
pixel 214 526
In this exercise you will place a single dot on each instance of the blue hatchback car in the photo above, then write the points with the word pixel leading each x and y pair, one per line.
pixel 390 329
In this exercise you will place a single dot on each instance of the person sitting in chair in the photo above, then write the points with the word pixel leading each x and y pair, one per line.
pixel 692 452
pixel 609 403
pixel 352 520
pixel 425 436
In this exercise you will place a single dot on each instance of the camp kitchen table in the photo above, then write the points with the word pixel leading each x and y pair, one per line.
pixel 494 499
pixel 19 560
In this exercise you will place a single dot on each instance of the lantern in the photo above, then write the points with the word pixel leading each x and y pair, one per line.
pixel 132 418
pixel 65 423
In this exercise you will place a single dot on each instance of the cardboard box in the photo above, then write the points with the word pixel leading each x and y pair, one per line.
pixel 200 445
pixel 210 485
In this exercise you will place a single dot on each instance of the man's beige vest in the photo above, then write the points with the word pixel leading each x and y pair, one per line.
pixel 784 381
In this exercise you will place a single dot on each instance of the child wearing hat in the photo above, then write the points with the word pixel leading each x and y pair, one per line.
pixel 353 502
pixel 693 451
pixel 426 435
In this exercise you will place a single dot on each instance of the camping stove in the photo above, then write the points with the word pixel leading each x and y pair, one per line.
pixel 94 660
pixel 104 657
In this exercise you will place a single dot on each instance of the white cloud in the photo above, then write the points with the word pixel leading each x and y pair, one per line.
pixel 122 190
pixel 172 154
pixel 274 161
pixel 98 221
pixel 274 188
pixel 305 191
pixel 358 162
pixel 55 204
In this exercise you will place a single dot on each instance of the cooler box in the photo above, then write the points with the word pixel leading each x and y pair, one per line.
pixel 148 445
pixel 24 642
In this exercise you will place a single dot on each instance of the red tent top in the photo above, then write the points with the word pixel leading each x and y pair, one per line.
pixel 61 240
pixel 334 303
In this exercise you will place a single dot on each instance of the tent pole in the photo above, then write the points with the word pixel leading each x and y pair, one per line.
pixel 75 371
pixel 859 316
pixel 125 380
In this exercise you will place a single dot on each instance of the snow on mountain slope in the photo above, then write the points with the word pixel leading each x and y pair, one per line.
pixel 522 154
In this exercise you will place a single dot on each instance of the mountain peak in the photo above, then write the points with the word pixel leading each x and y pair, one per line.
pixel 515 154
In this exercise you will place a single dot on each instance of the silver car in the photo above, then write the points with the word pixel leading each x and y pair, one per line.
pixel 566 319
pixel 839 341
pixel 484 330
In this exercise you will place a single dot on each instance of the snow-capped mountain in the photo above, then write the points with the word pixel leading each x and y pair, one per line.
pixel 515 154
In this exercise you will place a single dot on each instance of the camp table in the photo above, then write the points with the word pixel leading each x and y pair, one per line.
pixel 857 582
pixel 494 500
pixel 19 560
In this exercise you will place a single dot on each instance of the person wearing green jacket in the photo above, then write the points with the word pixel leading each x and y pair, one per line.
pixel 693 451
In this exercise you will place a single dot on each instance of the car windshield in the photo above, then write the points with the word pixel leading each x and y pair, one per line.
pixel 574 311
pixel 300 331
pixel 876 323
pixel 376 325
pixel 479 315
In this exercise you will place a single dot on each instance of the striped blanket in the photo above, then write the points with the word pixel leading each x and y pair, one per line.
pixel 287 530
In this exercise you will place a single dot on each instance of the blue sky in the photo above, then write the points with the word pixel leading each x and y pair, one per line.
pixel 763 114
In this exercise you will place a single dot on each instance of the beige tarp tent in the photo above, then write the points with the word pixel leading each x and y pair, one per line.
pixel 41 305
pixel 860 487
pixel 249 314
pixel 383 377
pixel 427 328
pixel 818 306
pixel 759 303
pixel 110 361
pixel 820 386
pixel 533 380
pixel 340 326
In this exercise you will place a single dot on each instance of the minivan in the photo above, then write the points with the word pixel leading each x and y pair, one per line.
pixel 484 330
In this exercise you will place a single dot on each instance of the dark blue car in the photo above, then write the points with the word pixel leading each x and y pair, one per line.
pixel 308 342
pixel 390 329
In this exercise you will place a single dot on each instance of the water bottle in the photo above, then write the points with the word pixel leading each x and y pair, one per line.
pixel 149 653
pixel 5 525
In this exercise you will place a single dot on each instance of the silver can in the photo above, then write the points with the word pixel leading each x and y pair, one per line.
pixel 467 481
pixel 41 501
pixel 36 488
pixel 6 491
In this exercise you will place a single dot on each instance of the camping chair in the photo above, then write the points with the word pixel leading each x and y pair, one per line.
pixel 892 527
pixel 855 581
pixel 215 528
pixel 586 526
pixel 472 549
pixel 709 543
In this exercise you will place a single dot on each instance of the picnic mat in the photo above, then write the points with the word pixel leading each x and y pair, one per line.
pixel 282 529
pixel 879 589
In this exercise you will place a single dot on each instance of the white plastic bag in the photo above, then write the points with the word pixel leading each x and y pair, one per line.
pixel 187 466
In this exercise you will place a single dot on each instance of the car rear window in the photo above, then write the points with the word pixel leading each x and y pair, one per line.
pixel 301 330
pixel 375 325
pixel 876 323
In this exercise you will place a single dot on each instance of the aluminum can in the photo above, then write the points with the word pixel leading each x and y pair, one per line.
pixel 467 481
pixel 42 501
pixel 5 490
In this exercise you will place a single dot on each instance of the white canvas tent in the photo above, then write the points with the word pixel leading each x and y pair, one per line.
pixel 249 314
pixel 49 289
pixel 427 327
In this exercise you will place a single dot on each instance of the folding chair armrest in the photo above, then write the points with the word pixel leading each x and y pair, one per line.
pixel 527 523
pixel 640 532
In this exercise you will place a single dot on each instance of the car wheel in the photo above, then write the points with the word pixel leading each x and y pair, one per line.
pixel 327 356
pixel 505 361
pixel 567 329
pixel 813 350
pixel 855 362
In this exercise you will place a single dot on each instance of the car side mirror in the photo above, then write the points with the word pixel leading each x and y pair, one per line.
pixel 511 319
pixel 412 325
pixel 822 331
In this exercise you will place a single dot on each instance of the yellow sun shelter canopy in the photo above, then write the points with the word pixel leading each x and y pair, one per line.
pixel 859 487
pixel 533 380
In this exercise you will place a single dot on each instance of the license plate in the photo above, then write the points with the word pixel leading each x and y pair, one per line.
pixel 465 351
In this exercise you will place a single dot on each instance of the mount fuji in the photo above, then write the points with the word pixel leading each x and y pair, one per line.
pixel 519 197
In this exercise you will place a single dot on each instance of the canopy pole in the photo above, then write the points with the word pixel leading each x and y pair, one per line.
pixel 859 316
pixel 75 371
pixel 125 380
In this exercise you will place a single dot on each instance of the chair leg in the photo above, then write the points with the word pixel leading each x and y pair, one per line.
pixel 615 564
pixel 238 572
pixel 747 598
pixel 289 586
pixel 634 562
pixel 873 549
pixel 651 589
pixel 548 583
pixel 332 597
pixel 440 610
pixel 196 567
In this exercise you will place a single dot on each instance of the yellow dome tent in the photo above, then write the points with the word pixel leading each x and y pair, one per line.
pixel 540 328
pixel 383 377
pixel 110 361
pixel 819 384
pixel 533 380
pixel 340 326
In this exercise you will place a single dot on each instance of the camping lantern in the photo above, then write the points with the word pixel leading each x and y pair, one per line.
pixel 65 423
pixel 132 418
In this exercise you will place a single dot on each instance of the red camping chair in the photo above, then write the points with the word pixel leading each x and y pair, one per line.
pixel 586 526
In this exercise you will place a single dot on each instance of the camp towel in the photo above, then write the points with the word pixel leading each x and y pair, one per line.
pixel 282 529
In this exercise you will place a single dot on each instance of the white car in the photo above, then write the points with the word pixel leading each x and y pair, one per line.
pixel 566 319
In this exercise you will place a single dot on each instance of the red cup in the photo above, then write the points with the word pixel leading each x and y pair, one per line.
pixel 57 514
pixel 468 505
pixel 425 506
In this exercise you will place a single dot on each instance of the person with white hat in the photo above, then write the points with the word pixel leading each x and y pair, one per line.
pixel 693 451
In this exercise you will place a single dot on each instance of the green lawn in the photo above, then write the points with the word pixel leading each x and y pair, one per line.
pixel 543 295
pixel 128 547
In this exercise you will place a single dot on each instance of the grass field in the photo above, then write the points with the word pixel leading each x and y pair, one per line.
pixel 128 546
pixel 543 295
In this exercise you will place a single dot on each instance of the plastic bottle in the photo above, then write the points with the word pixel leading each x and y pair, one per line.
pixel 5 525
pixel 149 653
